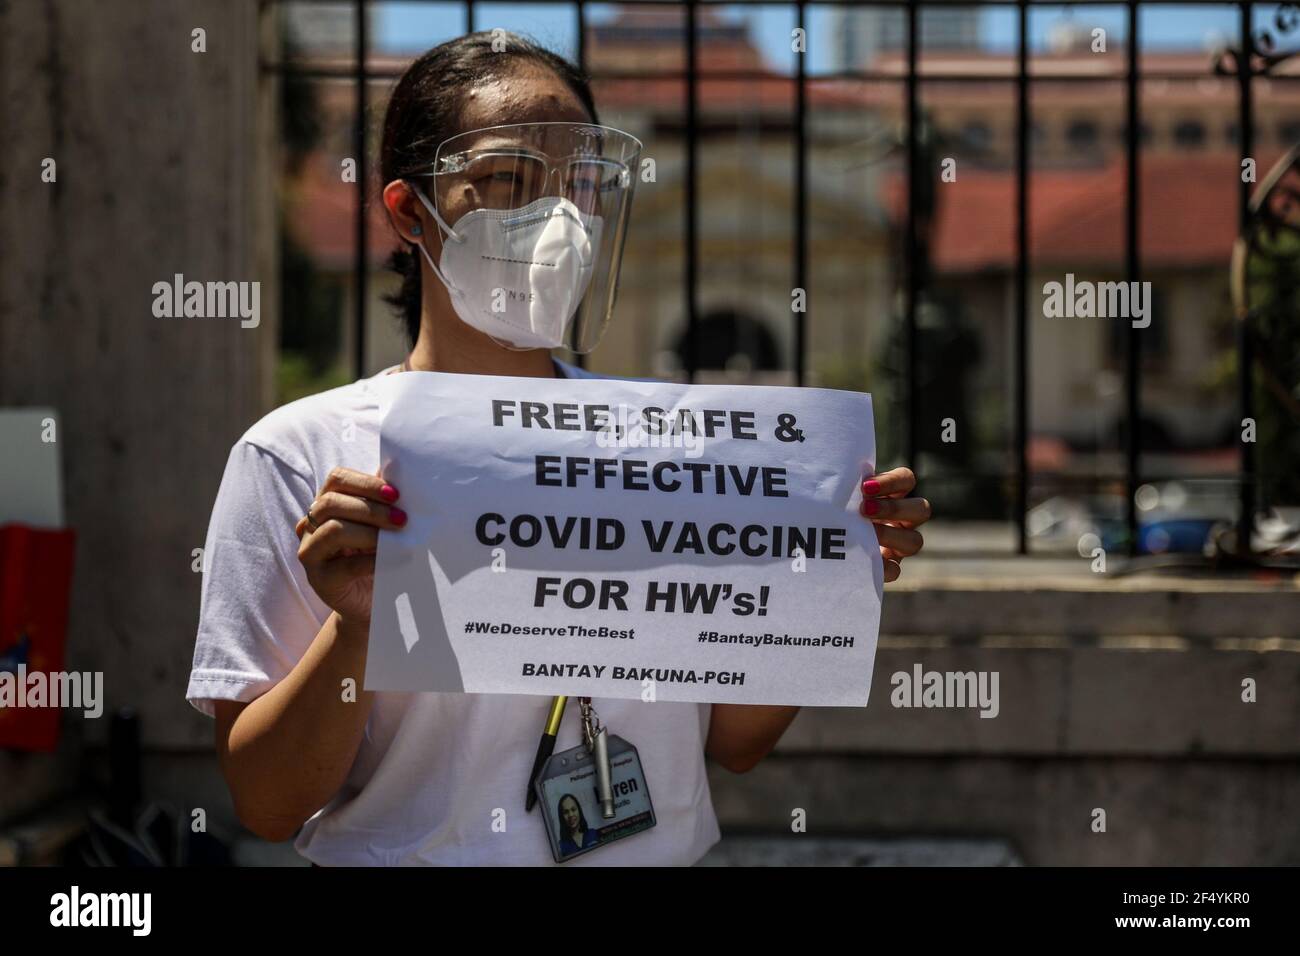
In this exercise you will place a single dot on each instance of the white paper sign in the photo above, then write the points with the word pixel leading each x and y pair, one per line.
pixel 626 539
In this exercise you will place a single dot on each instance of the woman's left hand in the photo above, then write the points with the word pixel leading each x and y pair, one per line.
pixel 885 503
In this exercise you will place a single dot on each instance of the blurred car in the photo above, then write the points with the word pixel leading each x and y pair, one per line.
pixel 1173 518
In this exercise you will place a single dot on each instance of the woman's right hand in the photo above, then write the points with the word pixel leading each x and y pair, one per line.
pixel 339 536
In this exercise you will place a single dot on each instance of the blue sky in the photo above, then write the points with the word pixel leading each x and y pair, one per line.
pixel 406 27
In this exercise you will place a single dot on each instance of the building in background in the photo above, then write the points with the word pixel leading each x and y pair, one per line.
pixel 863 33
pixel 857 207
pixel 324 28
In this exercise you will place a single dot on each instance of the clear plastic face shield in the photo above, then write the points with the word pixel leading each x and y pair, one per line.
pixel 534 218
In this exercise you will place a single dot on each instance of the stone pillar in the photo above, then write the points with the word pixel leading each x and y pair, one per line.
pixel 165 163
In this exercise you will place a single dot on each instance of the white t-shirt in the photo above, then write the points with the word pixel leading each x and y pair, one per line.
pixel 432 768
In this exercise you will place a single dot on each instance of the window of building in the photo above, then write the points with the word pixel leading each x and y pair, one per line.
pixel 1189 134
pixel 1082 134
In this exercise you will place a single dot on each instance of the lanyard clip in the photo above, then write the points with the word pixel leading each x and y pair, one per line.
pixel 596 737
pixel 591 725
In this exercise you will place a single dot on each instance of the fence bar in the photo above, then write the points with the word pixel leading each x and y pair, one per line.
pixel 911 254
pixel 1133 356
pixel 580 359
pixel 692 174
pixel 1245 353
pixel 801 204
pixel 1022 279
pixel 361 264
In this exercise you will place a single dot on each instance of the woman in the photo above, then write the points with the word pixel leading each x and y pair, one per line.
pixel 575 835
pixel 392 779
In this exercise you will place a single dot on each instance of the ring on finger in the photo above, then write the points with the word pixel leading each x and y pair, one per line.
pixel 310 520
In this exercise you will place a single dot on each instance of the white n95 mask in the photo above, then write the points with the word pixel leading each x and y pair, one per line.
pixel 518 275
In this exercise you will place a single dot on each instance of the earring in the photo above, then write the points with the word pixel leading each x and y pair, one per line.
pixel 417 230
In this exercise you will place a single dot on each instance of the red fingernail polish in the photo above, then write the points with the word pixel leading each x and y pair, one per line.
pixel 871 487
pixel 871 507
pixel 388 493
pixel 398 516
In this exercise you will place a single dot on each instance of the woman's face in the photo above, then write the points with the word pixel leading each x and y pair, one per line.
pixel 531 94
pixel 569 813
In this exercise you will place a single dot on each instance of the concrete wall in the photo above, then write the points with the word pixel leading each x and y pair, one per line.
pixel 1123 695
pixel 1152 729
pixel 163 166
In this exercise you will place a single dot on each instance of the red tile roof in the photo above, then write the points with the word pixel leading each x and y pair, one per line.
pixel 1187 218
pixel 321 216
pixel 1188 215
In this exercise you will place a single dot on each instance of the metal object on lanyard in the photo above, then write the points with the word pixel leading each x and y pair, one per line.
pixel 595 735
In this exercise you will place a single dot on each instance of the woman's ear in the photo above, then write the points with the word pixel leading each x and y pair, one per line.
pixel 405 211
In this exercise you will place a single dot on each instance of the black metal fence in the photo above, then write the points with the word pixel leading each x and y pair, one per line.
pixel 1237 61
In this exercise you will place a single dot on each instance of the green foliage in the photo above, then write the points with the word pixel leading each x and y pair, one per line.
pixel 300 117
pixel 296 377
pixel 311 302
pixel 850 374
pixel 311 307
pixel 1273 291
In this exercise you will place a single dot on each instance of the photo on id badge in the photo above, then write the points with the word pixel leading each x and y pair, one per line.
pixel 569 796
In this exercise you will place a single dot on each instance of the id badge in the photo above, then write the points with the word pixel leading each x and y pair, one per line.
pixel 570 801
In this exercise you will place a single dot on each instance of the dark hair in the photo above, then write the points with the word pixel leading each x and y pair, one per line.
pixel 424 111
pixel 582 817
